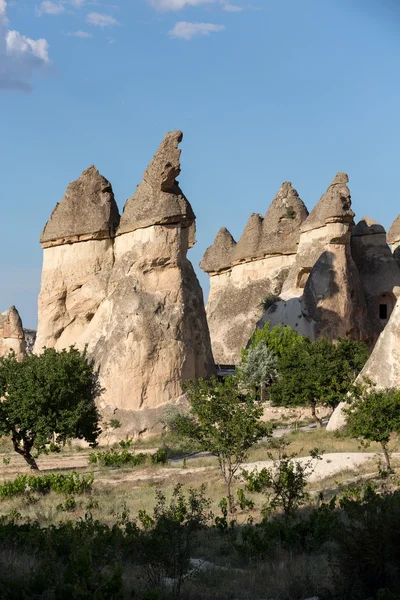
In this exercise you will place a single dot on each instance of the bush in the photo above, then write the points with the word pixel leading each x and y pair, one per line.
pixel 117 458
pixel 72 483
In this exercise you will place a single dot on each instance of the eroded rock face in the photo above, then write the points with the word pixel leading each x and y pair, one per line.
pixel 382 368
pixel 12 333
pixel 244 274
pixel 87 211
pixel 158 199
pixel 323 295
pixel 218 256
pixel 379 274
pixel 134 300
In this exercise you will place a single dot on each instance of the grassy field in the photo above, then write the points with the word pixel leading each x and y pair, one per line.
pixel 118 494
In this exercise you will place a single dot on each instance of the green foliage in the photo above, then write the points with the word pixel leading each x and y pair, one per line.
pixel 259 370
pixel 117 458
pixel 270 301
pixel 164 542
pixel 223 422
pixel 279 340
pixel 72 483
pixel 70 505
pixel 302 532
pixel 368 543
pixel 160 457
pixel 374 416
pixel 319 372
pixel 48 397
pixel 290 213
pixel 284 483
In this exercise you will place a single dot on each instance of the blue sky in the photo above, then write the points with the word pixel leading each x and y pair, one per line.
pixel 265 91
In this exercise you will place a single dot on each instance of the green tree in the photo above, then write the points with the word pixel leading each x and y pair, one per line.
pixel 279 339
pixel 320 372
pixel 223 422
pixel 48 397
pixel 373 417
pixel 259 370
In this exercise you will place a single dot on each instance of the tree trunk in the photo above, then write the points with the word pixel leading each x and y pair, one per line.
pixel 314 414
pixel 25 452
pixel 228 489
pixel 387 457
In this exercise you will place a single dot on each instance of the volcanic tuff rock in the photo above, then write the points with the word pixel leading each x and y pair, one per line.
pixel 218 256
pixel 383 366
pixel 11 333
pixel 282 222
pixel 393 236
pixel 87 211
pixel 254 268
pixel 134 300
pixel 379 273
pixel 334 205
pixel 158 199
pixel 328 223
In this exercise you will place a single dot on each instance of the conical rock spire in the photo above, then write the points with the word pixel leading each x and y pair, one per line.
pixel 158 199
pixel 87 211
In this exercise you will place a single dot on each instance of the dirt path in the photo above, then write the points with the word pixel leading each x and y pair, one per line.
pixel 330 464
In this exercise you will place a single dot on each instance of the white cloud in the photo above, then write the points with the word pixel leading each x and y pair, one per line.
pixel 231 7
pixel 187 31
pixel 100 20
pixel 77 3
pixel 20 56
pixel 50 8
pixel 80 34
pixel 177 4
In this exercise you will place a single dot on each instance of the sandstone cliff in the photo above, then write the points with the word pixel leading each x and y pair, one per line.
pixel 129 293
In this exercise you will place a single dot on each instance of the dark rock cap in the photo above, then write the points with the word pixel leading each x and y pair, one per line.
pixel 158 199
pixel 87 211
pixel 282 222
pixel 367 226
pixel 334 205
pixel 219 256
pixel 248 245
pixel 394 231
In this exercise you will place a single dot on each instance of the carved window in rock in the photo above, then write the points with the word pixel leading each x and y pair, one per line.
pixel 302 278
pixel 385 306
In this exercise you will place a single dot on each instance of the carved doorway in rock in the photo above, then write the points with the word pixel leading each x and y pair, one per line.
pixel 386 302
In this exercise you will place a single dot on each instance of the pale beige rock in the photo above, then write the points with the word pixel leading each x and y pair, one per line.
pixel 393 236
pixel 12 336
pixel 235 303
pixel 328 223
pixel 382 368
pixel 333 296
pixel 249 242
pixel 134 301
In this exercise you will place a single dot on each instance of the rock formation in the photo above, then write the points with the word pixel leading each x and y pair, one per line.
pixel 332 278
pixel 11 333
pixel 383 366
pixel 128 292
pixel 379 273
pixel 243 275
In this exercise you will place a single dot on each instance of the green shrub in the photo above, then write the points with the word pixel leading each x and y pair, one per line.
pixel 117 458
pixel 72 483
pixel 160 457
